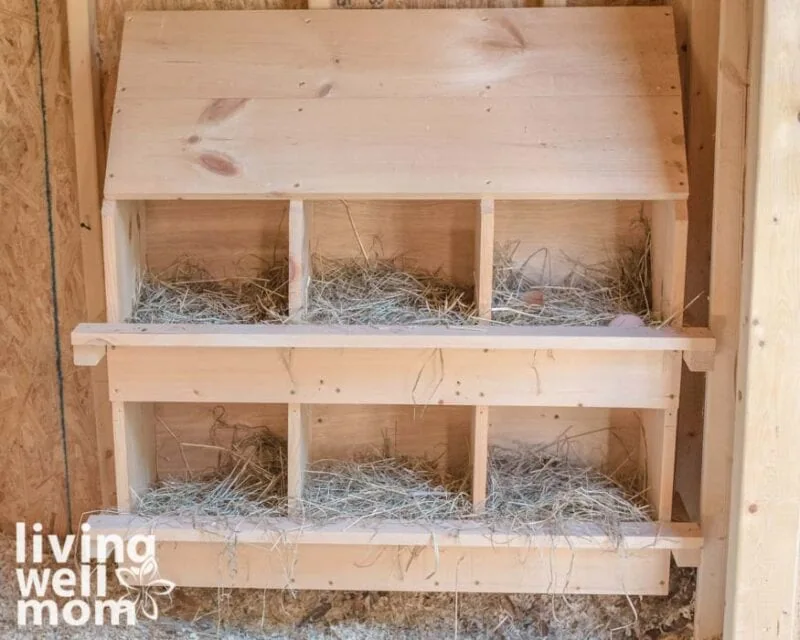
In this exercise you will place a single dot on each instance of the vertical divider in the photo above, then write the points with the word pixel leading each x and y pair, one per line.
pixel 299 257
pixel 668 227
pixel 484 265
pixel 479 456
pixel 299 447
pixel 134 449
pixel 123 255
pixel 484 258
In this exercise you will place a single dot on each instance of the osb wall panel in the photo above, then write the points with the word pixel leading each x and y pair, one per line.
pixel 33 481
pixel 86 483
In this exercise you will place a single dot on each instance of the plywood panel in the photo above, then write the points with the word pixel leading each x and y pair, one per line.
pixel 227 238
pixel 560 233
pixel 32 473
pixel 604 438
pixel 195 423
pixel 432 236
pixel 436 433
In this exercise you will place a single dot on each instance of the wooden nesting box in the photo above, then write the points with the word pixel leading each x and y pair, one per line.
pixel 240 135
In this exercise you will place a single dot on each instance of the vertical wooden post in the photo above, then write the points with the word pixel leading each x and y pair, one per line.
pixel 669 223
pixel 299 257
pixel 135 448
pixel 479 455
pixel 724 307
pixel 298 453
pixel 484 257
pixel 764 559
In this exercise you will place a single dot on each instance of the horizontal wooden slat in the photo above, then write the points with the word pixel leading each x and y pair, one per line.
pixel 362 337
pixel 411 568
pixel 515 148
pixel 518 104
pixel 633 536
pixel 469 53
pixel 623 379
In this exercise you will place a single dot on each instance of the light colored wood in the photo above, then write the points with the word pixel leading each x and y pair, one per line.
pixel 434 236
pixel 656 536
pixel 607 439
pixel 659 432
pixel 414 568
pixel 668 228
pixel 439 434
pixel 472 140
pixel 396 337
pixel 624 379
pixel 123 255
pixel 549 237
pixel 413 54
pixel 89 356
pixel 299 429
pixel 89 145
pixel 763 582
pixel 699 362
pixel 530 148
pixel 134 450
pixel 299 257
pixel 479 455
pixel 484 257
pixel 228 239
pixel 181 426
pixel 724 306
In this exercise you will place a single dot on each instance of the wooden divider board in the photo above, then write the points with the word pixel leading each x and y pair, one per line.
pixel 504 103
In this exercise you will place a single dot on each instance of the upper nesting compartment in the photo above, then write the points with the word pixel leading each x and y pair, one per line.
pixel 504 103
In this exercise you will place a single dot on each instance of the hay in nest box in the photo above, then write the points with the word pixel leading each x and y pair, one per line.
pixel 378 488
pixel 250 481
pixel 380 291
pixel 590 296
pixel 187 293
pixel 535 488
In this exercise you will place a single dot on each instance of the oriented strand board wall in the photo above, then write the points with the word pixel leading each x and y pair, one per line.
pixel 46 422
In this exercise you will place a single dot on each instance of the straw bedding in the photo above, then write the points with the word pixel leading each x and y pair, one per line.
pixel 405 489
pixel 187 293
pixel 588 296
pixel 534 488
pixel 384 292
pixel 250 481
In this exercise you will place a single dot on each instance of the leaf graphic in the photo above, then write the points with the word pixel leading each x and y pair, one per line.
pixel 161 587
pixel 128 577
pixel 148 569
pixel 149 606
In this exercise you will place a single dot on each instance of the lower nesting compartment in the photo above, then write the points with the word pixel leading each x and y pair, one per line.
pixel 378 498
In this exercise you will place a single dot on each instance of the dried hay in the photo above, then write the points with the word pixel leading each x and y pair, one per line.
pixel 377 488
pixel 589 296
pixel 187 293
pixel 250 481
pixel 382 291
pixel 535 488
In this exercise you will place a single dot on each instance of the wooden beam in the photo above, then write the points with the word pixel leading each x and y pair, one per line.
pixel 764 562
pixel 479 455
pixel 299 257
pixel 89 140
pixel 724 307
pixel 484 257
pixel 448 533
pixel 363 337
pixel 465 377
pixel 123 255
pixel 299 431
